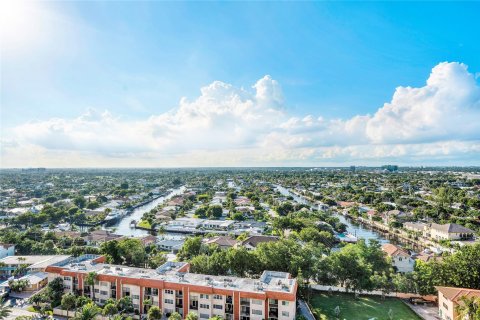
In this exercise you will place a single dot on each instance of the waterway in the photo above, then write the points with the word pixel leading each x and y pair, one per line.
pixel 354 228
pixel 122 227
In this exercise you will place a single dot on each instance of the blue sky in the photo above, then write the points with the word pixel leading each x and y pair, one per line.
pixel 334 60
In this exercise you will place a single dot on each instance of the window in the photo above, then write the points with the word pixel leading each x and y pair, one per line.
pixel 155 291
pixel 168 301
pixel 257 302
pixel 217 306
pixel 204 296
pixel 204 316
pixel 135 296
pixel 204 306
pixel 97 290
pixel 285 303
pixel 285 314
pixel 259 312
pixel 168 291
pixel 66 278
pixel 104 292
pixel 217 297
pixel 445 305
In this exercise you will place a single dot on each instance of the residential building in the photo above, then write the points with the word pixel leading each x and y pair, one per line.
pixel 401 259
pixel 36 263
pixel 253 241
pixel 419 228
pixel 449 300
pixel 223 242
pixel 174 289
pixel 450 231
pixel 6 249
pixel 217 224
pixel 97 237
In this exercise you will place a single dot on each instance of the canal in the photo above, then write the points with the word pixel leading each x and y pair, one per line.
pixel 354 228
pixel 123 228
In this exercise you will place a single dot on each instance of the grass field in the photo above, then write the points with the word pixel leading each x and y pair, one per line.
pixel 362 308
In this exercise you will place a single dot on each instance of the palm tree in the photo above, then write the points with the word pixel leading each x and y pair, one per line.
pixel 4 309
pixel 109 310
pixel 469 308
pixel 90 280
pixel 88 312
pixel 68 302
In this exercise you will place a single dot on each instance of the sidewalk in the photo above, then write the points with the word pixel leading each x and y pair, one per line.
pixel 305 310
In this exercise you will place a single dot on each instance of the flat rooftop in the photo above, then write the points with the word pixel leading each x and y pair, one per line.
pixel 34 261
pixel 269 281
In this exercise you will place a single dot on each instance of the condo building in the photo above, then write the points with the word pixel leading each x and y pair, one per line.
pixel 174 289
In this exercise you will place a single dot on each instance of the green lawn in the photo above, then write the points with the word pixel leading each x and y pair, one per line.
pixel 144 224
pixel 363 308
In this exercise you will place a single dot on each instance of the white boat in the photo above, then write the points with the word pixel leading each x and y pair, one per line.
pixel 114 216
pixel 347 237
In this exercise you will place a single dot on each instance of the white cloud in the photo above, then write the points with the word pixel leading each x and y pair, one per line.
pixel 225 125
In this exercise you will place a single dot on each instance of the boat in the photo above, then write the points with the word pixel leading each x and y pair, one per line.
pixel 114 216
pixel 347 237
pixel 133 223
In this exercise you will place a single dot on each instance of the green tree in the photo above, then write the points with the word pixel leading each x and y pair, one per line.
pixel 69 301
pixel 80 202
pixel 109 310
pixel 154 313
pixel 191 316
pixel 469 308
pixel 175 316
pixel 190 248
pixel 132 252
pixel 87 312
pixel 5 310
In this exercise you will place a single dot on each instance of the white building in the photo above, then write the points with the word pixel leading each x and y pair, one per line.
pixel 401 260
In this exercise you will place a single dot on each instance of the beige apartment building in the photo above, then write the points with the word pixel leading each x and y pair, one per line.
pixel 449 299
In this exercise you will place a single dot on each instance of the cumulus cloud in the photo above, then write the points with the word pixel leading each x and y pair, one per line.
pixel 226 125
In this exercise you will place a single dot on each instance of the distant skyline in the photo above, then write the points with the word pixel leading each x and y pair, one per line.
pixel 170 84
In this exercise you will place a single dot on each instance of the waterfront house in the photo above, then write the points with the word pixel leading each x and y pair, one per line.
pixel 449 298
pixel 220 225
pixel 401 259
pixel 171 245
pixel 97 237
pixel 223 242
pixel 253 241
pixel 450 231
pixel 419 228
pixel 394 215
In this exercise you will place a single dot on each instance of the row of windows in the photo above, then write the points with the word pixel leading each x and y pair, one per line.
pixel 169 301
pixel 204 306
pixel 168 291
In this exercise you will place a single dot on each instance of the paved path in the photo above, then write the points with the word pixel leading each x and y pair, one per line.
pixel 425 312
pixel 305 310
pixel 16 312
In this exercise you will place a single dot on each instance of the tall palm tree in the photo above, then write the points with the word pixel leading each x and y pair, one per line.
pixel 4 309
pixel 469 308
pixel 90 280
